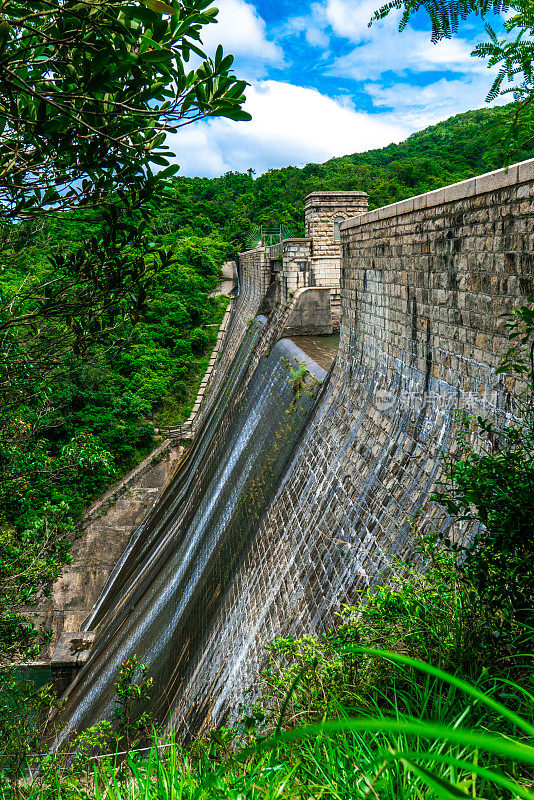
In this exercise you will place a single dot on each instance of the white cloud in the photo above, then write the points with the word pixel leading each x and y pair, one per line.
pixel 351 19
pixel 290 125
pixel 311 25
pixel 242 32
pixel 455 53
pixel 295 125
pixel 416 107
pixel 382 48
pixel 197 151
pixel 408 51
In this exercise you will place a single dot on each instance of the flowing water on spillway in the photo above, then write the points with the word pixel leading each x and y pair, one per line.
pixel 172 576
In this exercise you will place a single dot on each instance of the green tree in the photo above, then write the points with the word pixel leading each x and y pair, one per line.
pixel 89 90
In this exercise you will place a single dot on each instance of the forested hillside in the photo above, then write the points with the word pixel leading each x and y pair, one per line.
pixel 460 147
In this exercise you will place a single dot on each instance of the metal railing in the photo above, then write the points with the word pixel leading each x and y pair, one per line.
pixel 266 235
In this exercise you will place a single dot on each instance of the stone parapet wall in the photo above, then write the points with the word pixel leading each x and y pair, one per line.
pixel 252 282
pixel 430 277
pixel 254 273
pixel 499 179
pixel 327 272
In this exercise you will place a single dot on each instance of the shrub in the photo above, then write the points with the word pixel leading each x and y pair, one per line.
pixel 494 488
pixel 130 406
pixel 199 341
pixel 434 614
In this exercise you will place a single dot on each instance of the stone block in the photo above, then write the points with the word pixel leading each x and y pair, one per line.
pixel 420 202
pixel 70 654
pixel 525 171
pixel 459 191
pixel 499 179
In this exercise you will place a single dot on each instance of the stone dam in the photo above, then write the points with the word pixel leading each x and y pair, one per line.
pixel 300 485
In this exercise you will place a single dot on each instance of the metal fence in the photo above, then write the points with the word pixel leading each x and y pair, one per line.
pixel 266 235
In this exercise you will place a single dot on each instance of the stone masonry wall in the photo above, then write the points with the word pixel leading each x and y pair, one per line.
pixel 103 535
pixel 295 272
pixel 252 284
pixel 254 273
pixel 321 211
pixel 429 277
pixel 423 284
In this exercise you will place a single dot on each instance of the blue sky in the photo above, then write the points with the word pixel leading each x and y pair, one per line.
pixel 323 84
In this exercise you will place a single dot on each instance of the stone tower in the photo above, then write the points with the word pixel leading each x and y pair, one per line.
pixel 324 212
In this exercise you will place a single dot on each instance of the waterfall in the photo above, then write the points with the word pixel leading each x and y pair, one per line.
pixel 173 575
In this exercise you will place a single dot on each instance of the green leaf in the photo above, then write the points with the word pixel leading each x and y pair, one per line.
pixel 156 56
pixel 499 746
pixel 169 171
pixel 159 6
pixel 443 789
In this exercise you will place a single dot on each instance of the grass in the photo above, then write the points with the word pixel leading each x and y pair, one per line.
pixel 385 754
pixel 339 717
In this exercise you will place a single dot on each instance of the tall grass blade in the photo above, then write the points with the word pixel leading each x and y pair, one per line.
pixel 501 747
pixel 443 789
pixel 467 766
pixel 451 679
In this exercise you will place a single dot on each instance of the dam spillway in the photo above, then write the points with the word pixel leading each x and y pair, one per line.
pixel 422 285
pixel 175 570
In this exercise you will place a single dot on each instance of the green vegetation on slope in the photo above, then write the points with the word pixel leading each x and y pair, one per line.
pixel 458 148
